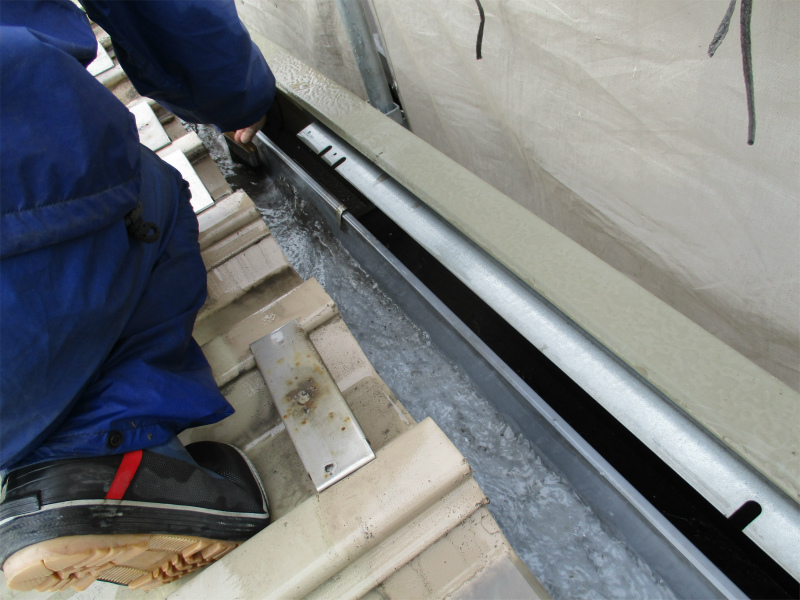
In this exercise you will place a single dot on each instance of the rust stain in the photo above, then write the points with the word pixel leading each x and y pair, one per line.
pixel 343 428
pixel 330 415
pixel 302 399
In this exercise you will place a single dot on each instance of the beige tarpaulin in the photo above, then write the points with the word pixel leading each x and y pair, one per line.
pixel 610 121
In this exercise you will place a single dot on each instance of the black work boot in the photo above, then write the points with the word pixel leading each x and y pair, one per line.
pixel 139 519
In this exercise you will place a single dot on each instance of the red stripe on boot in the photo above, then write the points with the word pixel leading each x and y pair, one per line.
pixel 127 469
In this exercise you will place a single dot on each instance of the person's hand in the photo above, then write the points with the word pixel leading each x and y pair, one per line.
pixel 245 136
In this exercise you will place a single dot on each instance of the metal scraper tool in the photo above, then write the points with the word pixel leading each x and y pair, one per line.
pixel 245 153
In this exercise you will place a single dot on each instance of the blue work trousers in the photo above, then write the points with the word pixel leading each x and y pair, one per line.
pixel 96 345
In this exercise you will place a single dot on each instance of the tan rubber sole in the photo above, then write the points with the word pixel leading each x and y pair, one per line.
pixel 142 561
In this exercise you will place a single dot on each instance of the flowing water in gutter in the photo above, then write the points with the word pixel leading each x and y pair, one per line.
pixel 557 536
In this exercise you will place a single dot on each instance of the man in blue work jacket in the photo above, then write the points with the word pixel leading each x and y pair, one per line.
pixel 100 282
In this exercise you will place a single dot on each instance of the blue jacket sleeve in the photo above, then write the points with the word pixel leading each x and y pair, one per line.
pixel 193 57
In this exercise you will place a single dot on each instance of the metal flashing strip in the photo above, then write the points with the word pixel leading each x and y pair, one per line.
pixel 323 429
pixel 626 513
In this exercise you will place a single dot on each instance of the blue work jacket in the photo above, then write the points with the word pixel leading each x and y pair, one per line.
pixel 71 169
pixel 70 150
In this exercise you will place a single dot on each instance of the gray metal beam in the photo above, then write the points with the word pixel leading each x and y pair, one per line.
pixel 367 58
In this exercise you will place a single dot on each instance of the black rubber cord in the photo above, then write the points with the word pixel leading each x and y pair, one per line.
pixel 745 14
pixel 480 31
pixel 746 11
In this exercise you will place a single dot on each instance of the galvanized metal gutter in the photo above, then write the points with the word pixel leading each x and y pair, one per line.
pixel 717 473
pixel 621 507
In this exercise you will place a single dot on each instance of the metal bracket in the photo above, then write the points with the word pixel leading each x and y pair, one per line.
pixel 396 114
pixel 321 425
pixel 340 210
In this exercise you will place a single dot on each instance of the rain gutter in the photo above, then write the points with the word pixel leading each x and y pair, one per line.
pixel 720 421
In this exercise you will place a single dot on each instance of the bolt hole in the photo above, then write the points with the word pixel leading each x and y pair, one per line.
pixel 330 467
pixel 745 515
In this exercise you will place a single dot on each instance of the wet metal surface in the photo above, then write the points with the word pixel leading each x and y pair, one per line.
pixel 319 421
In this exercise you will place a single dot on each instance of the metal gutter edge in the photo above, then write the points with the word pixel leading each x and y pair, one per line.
pixel 741 404
pixel 627 513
